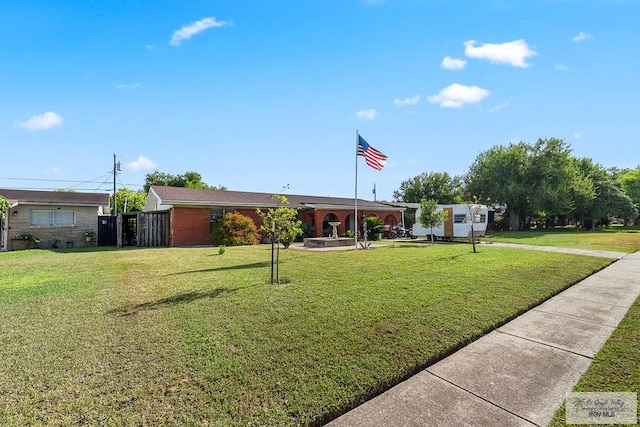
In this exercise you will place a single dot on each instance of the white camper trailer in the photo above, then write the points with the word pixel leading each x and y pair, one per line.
pixel 457 222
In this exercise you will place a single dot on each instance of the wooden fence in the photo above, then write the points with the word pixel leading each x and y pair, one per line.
pixel 152 229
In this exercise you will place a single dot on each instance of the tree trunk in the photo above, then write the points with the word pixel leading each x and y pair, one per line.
pixel 514 219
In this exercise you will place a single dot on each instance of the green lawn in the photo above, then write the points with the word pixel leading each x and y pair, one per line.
pixel 613 238
pixel 616 367
pixel 184 336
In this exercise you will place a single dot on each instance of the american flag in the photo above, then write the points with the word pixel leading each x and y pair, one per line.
pixel 373 157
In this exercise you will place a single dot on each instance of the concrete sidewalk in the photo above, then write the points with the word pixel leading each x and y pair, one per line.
pixel 519 374
pixel 576 251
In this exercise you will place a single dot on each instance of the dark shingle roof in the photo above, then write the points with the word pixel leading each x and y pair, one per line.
pixel 55 197
pixel 182 195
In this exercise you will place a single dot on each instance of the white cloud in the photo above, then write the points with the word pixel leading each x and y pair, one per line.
pixel 127 85
pixel 450 63
pixel 512 53
pixel 407 101
pixel 149 47
pixel 44 121
pixel 561 67
pixel 367 115
pixel 456 95
pixel 143 163
pixel 577 135
pixel 582 36
pixel 194 28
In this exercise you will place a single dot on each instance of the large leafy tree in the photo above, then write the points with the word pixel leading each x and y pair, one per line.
pixel 439 186
pixel 551 175
pixel 630 183
pixel 609 200
pixel 129 200
pixel 502 175
pixel 538 181
pixel 188 179
pixel 583 190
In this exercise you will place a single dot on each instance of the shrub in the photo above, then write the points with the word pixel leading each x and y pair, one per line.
pixel 348 233
pixel 374 225
pixel 235 229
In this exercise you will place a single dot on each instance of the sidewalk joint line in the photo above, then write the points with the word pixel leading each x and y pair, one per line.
pixel 482 398
pixel 622 305
pixel 546 344
pixel 566 316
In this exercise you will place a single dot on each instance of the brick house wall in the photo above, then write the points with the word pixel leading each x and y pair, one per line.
pixel 346 218
pixel 189 227
pixel 86 220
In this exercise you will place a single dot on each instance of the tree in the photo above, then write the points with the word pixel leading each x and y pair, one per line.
pixel 501 174
pixel 630 183
pixel 4 205
pixel 534 181
pixel 235 229
pixel 583 191
pixel 439 186
pixel 609 198
pixel 282 223
pixel 551 175
pixel 188 180
pixel 430 216
pixel 129 200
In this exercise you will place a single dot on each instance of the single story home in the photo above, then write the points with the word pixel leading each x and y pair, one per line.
pixel 50 219
pixel 193 212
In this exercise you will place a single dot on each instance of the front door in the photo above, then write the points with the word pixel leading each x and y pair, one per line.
pixel 448 222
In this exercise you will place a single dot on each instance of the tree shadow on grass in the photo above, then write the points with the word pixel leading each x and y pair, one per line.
pixel 182 298
pixel 230 267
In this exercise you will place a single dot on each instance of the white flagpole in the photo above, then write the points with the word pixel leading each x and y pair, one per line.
pixel 356 192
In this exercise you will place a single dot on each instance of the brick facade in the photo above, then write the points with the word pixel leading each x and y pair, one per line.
pixel 320 217
pixel 190 226
pixel 86 220
pixel 194 211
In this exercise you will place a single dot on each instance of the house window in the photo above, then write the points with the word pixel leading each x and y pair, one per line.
pixel 460 218
pixel 51 218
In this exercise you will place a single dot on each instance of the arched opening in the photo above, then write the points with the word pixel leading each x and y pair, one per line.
pixel 389 223
pixel 390 220
pixel 350 223
pixel 326 228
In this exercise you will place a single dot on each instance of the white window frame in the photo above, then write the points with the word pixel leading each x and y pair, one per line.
pixel 52 218
pixel 460 219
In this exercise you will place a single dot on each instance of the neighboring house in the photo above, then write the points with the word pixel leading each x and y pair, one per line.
pixel 50 219
pixel 193 212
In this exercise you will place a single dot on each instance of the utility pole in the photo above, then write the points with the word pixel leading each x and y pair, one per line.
pixel 117 167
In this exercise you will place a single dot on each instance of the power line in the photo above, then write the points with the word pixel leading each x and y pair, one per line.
pixel 95 180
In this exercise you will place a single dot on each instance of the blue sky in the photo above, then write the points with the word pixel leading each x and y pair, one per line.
pixel 256 95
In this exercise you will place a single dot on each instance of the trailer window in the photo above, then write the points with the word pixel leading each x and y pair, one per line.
pixel 460 218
